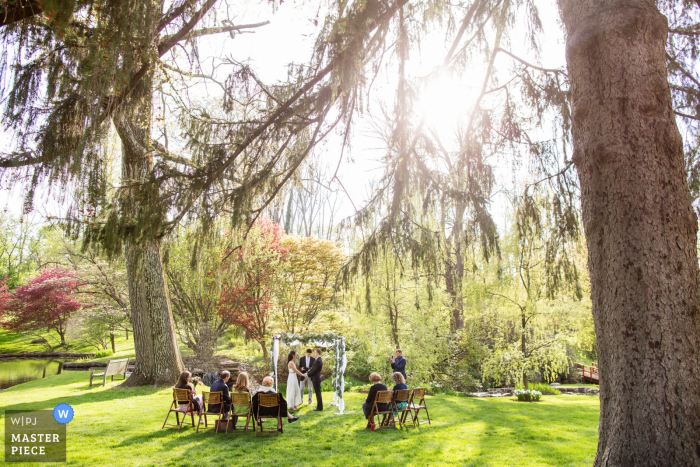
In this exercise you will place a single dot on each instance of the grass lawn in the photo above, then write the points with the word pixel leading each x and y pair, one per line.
pixel 580 385
pixel 16 343
pixel 122 427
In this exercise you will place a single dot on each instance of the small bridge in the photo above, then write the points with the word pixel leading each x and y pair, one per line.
pixel 589 372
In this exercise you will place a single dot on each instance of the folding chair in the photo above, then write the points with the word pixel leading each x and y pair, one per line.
pixel 402 395
pixel 211 398
pixel 182 404
pixel 418 394
pixel 242 399
pixel 270 401
pixel 387 419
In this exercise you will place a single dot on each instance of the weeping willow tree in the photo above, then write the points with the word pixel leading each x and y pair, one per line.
pixel 424 175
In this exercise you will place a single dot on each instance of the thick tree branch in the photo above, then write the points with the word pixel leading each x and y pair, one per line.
pixel 686 31
pixel 681 114
pixel 168 42
pixel 23 161
pixel 218 30
pixel 174 13
pixel 163 47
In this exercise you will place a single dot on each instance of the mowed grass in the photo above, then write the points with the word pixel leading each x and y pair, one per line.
pixel 11 342
pixel 580 385
pixel 122 427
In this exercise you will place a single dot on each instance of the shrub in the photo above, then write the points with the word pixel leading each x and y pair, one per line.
pixel 437 388
pixel 545 389
pixel 529 395
pixel 104 353
pixel 361 387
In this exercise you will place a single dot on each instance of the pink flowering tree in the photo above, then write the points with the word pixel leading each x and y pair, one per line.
pixel 45 303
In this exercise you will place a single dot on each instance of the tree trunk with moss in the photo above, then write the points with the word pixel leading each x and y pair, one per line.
pixel 157 354
pixel 640 230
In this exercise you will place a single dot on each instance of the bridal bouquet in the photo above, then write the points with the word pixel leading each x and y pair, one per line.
pixel 195 381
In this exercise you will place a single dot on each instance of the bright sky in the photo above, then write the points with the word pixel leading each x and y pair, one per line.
pixel 289 38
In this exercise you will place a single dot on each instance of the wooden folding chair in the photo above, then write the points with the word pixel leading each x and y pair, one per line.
pixel 182 404
pixel 419 395
pixel 241 399
pixel 387 416
pixel 270 401
pixel 211 398
pixel 402 395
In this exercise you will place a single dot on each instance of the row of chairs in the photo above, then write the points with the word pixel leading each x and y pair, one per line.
pixel 183 405
pixel 415 402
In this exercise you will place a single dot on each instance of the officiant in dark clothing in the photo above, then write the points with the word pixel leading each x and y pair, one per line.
pixel 220 386
pixel 305 364
pixel 398 364
pixel 315 375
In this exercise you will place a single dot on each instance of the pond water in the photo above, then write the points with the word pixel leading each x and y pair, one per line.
pixel 21 371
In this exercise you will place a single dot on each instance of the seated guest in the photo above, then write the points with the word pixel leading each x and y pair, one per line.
pixel 184 383
pixel 241 386
pixel 266 388
pixel 376 387
pixel 399 384
pixel 220 386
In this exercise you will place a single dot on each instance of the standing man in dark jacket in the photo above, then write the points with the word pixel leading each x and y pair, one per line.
pixel 399 364
pixel 305 364
pixel 220 386
pixel 315 375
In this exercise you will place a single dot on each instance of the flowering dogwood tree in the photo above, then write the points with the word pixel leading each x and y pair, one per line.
pixel 44 303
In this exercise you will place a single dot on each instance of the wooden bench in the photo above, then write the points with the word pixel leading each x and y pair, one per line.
pixel 114 368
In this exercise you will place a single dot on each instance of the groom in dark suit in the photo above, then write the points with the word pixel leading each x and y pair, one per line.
pixel 315 375
pixel 305 364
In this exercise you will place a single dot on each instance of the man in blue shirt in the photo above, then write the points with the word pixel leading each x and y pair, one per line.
pixel 399 364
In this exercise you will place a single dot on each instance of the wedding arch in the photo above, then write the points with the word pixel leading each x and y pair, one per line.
pixel 328 340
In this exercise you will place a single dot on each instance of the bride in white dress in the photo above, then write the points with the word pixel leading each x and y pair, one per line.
pixel 293 390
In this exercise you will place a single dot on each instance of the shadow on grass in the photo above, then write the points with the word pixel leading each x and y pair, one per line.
pixel 463 431
pixel 80 396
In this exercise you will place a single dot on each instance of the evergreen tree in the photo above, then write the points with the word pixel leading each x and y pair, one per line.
pixel 641 233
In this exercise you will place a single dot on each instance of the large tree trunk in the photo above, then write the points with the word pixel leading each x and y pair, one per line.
pixel 640 230
pixel 157 354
